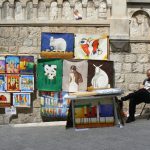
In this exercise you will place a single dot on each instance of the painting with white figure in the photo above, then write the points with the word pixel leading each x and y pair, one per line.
pixel 57 42
pixel 74 76
pixel 100 74
pixel 91 47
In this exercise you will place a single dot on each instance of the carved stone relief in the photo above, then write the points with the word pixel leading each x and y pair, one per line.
pixel 78 11
pixel 66 11
pixel 53 11
pixel 102 9
pixel 6 11
pixel 29 10
pixel 42 10
pixel 18 11
pixel 91 11
pixel 140 24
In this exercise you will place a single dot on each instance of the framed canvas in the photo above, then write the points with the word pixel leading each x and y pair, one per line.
pixel 27 83
pixel 57 42
pixel 26 64
pixel 5 100
pixel 21 100
pixel 2 64
pixel 54 105
pixel 91 47
pixel 100 74
pixel 75 75
pixel 2 83
pixel 12 83
pixel 49 74
pixel 12 64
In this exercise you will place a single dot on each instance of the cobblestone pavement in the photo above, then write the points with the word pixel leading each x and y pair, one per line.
pixel 134 136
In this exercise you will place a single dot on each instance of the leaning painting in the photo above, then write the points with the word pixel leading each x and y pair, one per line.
pixel 2 64
pixel 57 45
pixel 100 74
pixel 91 47
pixel 5 100
pixel 21 100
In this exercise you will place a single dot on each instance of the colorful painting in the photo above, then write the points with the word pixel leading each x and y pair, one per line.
pixel 27 83
pixel 54 105
pixel 2 83
pixel 91 47
pixel 26 64
pixel 12 64
pixel 74 76
pixel 13 83
pixel 63 42
pixel 49 74
pixel 100 74
pixel 21 100
pixel 2 64
pixel 5 100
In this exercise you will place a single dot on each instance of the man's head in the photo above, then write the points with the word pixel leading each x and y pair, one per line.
pixel 148 73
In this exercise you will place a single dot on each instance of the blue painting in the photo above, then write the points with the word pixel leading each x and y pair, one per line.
pixel 63 42
pixel 2 83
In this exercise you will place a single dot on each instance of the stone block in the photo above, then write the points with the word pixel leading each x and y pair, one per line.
pixel 127 67
pixel 137 67
pixel 36 104
pixel 13 49
pixel 146 67
pixel 29 50
pixel 143 58
pixel 118 67
pixel 119 78
pixel 134 78
pixel 139 48
pixel 129 58
pixel 117 57
pixel 27 42
pixel 133 87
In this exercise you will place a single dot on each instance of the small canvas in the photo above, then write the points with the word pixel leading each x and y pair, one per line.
pixel 100 74
pixel 75 75
pixel 26 64
pixel 12 83
pixel 49 74
pixel 2 64
pixel 91 47
pixel 12 64
pixel 27 83
pixel 53 42
pixel 5 100
pixel 21 100
pixel 2 83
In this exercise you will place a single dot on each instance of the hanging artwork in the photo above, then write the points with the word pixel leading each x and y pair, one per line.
pixel 2 83
pixel 2 64
pixel 49 74
pixel 27 83
pixel 12 64
pixel 26 64
pixel 13 83
pixel 74 76
pixel 91 47
pixel 100 74
pixel 54 105
pixel 21 99
pixel 5 100
pixel 57 45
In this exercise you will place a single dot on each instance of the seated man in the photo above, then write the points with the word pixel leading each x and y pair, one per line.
pixel 139 96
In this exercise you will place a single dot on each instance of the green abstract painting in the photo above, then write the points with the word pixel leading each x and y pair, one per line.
pixel 49 74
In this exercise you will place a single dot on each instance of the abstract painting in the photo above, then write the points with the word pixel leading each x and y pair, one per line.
pixel 26 64
pixel 49 74
pixel 5 100
pixel 100 74
pixel 2 64
pixel 75 75
pixel 13 83
pixel 2 83
pixel 57 42
pixel 21 99
pixel 12 64
pixel 27 83
pixel 91 47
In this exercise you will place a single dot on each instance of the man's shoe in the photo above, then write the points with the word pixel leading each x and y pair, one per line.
pixel 130 119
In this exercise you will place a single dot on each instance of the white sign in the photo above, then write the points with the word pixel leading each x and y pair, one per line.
pixel 10 111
